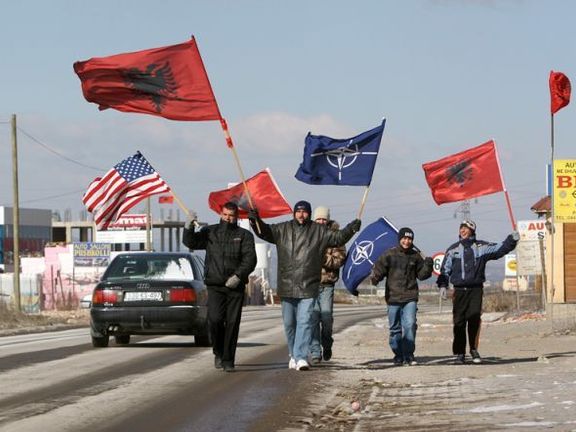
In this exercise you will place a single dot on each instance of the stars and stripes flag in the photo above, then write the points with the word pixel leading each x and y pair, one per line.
pixel 121 188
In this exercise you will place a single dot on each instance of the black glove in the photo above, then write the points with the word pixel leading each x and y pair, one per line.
pixel 253 213
pixel 355 225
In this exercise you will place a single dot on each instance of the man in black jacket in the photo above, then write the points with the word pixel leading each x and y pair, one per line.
pixel 230 258
pixel 300 244
pixel 401 266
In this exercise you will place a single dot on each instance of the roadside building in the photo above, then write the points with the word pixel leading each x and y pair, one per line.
pixel 561 296
pixel 35 230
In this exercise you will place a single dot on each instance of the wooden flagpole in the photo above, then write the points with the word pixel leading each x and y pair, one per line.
pixel 507 196
pixel 229 141
pixel 363 203
pixel 230 145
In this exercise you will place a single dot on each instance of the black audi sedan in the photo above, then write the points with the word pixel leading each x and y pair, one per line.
pixel 150 294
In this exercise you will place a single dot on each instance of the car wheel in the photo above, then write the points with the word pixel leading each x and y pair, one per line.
pixel 100 341
pixel 122 339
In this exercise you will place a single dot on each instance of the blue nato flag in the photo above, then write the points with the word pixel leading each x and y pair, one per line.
pixel 345 162
pixel 372 242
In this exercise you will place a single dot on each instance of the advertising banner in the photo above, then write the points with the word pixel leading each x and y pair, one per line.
pixel 564 191
pixel 529 259
pixel 130 228
pixel 91 254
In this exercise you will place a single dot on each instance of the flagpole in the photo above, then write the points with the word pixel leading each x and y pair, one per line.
pixel 506 195
pixel 228 137
pixel 363 203
pixel 552 225
pixel 148 225
pixel 230 145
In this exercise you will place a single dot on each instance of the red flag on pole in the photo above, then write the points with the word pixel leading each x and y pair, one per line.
pixel 468 174
pixel 166 199
pixel 265 194
pixel 169 82
pixel 559 91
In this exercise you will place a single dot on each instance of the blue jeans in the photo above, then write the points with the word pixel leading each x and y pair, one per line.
pixel 402 325
pixel 297 317
pixel 322 322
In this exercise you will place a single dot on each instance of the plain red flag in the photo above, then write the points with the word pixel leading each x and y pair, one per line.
pixel 264 193
pixel 468 174
pixel 166 199
pixel 169 82
pixel 559 91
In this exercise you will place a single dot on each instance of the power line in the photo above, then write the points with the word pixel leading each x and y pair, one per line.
pixel 49 197
pixel 51 150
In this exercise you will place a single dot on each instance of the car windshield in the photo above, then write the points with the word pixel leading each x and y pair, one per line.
pixel 146 267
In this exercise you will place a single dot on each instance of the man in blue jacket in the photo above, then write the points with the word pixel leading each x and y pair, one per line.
pixel 464 267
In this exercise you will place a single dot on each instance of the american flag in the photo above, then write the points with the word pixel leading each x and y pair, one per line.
pixel 124 186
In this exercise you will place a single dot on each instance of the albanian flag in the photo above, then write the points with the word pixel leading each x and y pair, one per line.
pixel 169 82
pixel 560 89
pixel 468 174
pixel 264 192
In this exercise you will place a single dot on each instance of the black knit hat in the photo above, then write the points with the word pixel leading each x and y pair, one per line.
pixel 405 232
pixel 303 205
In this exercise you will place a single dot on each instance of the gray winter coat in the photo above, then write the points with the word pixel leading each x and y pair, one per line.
pixel 300 253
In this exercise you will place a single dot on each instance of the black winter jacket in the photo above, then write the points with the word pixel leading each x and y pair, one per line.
pixel 300 251
pixel 230 251
pixel 401 267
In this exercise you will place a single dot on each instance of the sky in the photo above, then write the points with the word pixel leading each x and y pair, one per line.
pixel 447 75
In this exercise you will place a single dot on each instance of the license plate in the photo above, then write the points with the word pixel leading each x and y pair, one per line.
pixel 142 295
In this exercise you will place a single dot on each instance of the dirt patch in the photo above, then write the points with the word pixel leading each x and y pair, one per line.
pixel 525 381
pixel 12 322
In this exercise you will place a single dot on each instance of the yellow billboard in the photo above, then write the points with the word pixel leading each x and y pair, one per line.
pixel 564 177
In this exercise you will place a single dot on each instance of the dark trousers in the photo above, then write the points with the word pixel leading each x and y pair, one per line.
pixel 466 313
pixel 224 314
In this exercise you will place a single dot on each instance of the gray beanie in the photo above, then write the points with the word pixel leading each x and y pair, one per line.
pixel 321 212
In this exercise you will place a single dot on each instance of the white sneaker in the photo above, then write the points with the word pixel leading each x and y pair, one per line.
pixel 292 363
pixel 302 365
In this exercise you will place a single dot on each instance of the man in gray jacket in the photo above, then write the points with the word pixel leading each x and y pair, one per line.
pixel 300 244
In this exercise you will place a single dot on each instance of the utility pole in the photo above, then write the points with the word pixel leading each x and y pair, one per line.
pixel 15 216
pixel 464 210
pixel 148 226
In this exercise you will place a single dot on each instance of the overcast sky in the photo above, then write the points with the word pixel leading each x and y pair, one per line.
pixel 447 76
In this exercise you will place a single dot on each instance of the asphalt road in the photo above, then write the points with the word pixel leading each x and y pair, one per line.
pixel 58 382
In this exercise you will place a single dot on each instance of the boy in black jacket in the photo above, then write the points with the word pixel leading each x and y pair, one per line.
pixel 401 266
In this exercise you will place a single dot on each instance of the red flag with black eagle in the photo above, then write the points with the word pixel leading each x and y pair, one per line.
pixel 169 82
pixel 468 174
pixel 560 89
pixel 264 192
pixel 166 199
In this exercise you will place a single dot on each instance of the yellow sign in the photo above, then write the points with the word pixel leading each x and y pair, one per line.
pixel 565 191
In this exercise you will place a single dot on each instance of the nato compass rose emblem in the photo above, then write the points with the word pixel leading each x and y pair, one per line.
pixel 363 252
pixel 344 157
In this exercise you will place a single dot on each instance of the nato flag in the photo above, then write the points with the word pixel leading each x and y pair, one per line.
pixel 348 162
pixel 372 242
